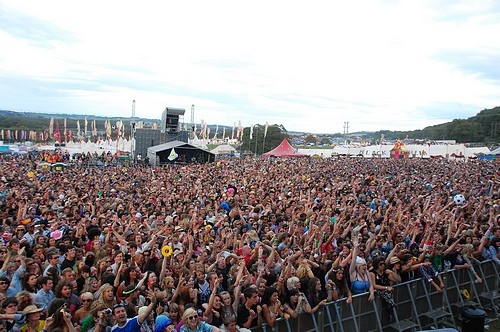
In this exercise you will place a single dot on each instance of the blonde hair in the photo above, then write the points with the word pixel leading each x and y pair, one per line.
pixel 290 283
pixel 467 249
pixel 88 295
pixel 188 312
pixel 166 280
pixel 301 271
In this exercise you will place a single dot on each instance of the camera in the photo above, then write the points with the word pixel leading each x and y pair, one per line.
pixel 107 311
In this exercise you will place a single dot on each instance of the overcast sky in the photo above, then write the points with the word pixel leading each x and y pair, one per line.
pixel 309 65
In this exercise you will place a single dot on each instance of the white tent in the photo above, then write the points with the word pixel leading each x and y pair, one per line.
pixel 481 150
pixel 347 150
pixel 495 151
pixel 325 153
pixel 449 151
pixel 224 149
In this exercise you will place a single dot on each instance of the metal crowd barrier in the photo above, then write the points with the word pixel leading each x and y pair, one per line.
pixel 418 306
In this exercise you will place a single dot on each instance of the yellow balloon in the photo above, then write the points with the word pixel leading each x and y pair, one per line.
pixel 31 174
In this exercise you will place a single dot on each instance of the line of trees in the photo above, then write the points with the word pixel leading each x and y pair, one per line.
pixel 481 128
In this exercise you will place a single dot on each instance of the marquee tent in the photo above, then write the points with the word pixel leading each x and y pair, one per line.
pixel 284 150
pixel 224 150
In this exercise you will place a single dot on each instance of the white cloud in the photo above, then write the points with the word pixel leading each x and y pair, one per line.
pixel 309 66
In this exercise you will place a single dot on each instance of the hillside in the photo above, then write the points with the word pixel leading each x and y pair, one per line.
pixel 481 128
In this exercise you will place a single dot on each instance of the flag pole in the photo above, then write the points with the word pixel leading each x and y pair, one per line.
pixel 256 135
pixel 264 140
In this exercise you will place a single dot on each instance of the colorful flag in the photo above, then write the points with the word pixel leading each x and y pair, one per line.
pixel 108 130
pixel 57 133
pixel 173 155
pixel 216 132
pixel 51 126
pixel 65 133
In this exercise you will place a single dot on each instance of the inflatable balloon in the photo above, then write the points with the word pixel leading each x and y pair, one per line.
pixel 225 206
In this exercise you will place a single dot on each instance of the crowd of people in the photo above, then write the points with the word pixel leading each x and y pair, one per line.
pixel 234 244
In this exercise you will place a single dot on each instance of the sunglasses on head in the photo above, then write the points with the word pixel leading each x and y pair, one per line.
pixel 120 304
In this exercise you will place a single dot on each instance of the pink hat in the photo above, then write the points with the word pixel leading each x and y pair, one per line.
pixel 57 234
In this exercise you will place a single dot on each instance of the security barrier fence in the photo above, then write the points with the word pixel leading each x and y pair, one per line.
pixel 418 306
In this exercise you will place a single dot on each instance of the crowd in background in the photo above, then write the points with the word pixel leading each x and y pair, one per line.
pixel 233 244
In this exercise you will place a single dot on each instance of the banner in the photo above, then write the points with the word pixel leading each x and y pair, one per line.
pixel 173 155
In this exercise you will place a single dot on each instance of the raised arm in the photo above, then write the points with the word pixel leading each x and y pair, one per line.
pixel 142 317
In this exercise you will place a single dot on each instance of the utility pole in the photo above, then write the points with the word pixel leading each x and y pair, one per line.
pixel 192 115
pixel 132 132
pixel 346 131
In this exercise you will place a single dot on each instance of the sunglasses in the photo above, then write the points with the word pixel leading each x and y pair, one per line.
pixel 87 300
pixel 120 304
pixel 12 305
pixel 192 317
pixel 3 283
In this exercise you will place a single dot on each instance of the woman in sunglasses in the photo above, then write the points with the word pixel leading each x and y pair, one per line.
pixel 192 323
pixel 87 299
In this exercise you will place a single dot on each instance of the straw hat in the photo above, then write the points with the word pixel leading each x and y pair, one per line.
pixel 31 309
pixel 394 260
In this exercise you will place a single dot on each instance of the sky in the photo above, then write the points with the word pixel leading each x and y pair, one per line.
pixel 312 66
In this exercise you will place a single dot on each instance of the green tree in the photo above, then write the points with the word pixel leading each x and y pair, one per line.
pixel 260 144
pixel 325 141
pixel 310 139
